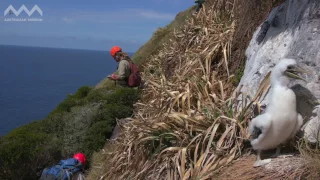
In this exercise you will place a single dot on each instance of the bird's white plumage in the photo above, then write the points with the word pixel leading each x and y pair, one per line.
pixel 280 121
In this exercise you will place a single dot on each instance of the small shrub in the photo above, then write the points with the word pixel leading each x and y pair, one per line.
pixel 107 84
pixel 82 92
pixel 25 151
pixel 97 95
pixel 96 136
pixel 113 111
pixel 54 123
pixel 124 96
pixel 77 99
pixel 103 125
pixel 68 103
pixel 76 125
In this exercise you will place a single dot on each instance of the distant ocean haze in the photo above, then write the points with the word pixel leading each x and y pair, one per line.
pixel 35 80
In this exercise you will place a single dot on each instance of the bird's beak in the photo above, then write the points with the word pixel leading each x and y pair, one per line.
pixel 293 73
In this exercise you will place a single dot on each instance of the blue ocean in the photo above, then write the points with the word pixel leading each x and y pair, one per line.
pixel 34 80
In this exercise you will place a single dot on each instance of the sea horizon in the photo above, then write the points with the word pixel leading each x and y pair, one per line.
pixel 47 47
pixel 34 80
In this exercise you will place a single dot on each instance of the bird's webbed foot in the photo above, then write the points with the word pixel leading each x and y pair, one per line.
pixel 260 162
pixel 277 154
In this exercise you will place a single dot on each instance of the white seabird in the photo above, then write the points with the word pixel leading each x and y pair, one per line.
pixel 281 121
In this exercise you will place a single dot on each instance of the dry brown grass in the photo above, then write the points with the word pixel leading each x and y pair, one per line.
pixel 312 157
pixel 280 168
pixel 303 166
pixel 189 121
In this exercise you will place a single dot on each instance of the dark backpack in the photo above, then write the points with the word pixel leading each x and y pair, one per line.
pixel 64 170
pixel 134 80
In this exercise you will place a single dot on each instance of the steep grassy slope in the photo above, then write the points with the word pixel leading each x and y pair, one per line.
pixel 81 123
pixel 185 126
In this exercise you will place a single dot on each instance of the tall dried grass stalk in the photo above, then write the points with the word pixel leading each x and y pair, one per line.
pixel 188 122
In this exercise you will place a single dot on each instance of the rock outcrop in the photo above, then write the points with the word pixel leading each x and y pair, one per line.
pixel 292 30
pixel 117 129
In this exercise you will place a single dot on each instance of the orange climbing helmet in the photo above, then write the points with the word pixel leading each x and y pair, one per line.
pixel 114 50
pixel 81 157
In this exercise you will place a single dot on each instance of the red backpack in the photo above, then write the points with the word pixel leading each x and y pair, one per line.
pixel 134 79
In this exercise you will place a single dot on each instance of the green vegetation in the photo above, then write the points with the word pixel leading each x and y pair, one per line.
pixel 22 150
pixel 82 122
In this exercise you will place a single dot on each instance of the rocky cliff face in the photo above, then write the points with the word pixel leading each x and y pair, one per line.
pixel 292 30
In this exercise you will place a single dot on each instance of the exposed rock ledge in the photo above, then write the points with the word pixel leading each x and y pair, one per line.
pixel 291 30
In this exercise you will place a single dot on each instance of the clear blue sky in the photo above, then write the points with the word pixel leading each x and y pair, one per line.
pixel 88 24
